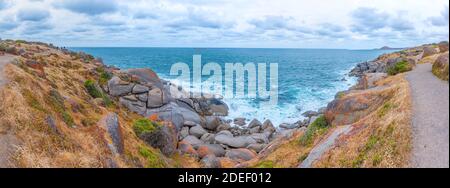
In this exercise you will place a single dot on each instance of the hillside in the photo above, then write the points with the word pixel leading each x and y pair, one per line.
pixel 51 120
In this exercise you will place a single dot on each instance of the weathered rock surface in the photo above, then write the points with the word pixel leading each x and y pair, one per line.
pixel 429 51
pixel 254 123
pixel 441 66
pixel 239 121
pixel 186 148
pixel 210 161
pixel 197 131
pixel 256 147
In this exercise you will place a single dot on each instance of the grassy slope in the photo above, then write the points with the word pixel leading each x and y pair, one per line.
pixel 29 99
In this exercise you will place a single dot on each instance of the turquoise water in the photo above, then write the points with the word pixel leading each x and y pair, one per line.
pixel 308 78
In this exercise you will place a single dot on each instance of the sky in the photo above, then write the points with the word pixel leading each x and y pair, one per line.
pixel 345 24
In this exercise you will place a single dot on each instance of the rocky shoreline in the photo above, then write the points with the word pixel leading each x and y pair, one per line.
pixel 199 125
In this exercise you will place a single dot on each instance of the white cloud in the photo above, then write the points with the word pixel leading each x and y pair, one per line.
pixel 221 23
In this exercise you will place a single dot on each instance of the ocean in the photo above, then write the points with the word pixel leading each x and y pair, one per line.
pixel 308 78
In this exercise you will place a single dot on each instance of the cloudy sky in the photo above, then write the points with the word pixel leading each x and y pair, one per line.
pixel 350 24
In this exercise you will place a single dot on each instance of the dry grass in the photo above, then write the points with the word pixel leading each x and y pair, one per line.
pixel 381 139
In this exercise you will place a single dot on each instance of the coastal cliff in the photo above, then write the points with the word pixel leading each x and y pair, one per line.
pixel 67 109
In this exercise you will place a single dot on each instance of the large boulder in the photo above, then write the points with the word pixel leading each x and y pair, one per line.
pixel 223 126
pixel 138 89
pixel 212 122
pixel 118 87
pixel 210 149
pixel 443 46
pixel 146 76
pixel 310 113
pixel 240 155
pixel 164 138
pixel 186 148
pixel 133 104
pixel 256 147
pixel 368 80
pixel 429 51
pixel 210 106
pixel 210 161
pixel 254 123
pixel 208 138
pixel 155 98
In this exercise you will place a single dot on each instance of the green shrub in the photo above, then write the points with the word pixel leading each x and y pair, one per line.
pixel 399 68
pixel 385 109
pixel 440 70
pixel 153 159
pixel 265 164
pixel 318 127
pixel 143 125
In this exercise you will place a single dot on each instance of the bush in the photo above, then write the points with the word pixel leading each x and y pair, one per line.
pixel 399 68
pixel 318 127
pixel 265 164
pixel 143 125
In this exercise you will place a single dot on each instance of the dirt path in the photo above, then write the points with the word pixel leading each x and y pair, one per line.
pixel 7 140
pixel 430 99
pixel 320 149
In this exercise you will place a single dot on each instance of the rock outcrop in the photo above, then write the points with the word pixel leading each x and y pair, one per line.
pixel 440 66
